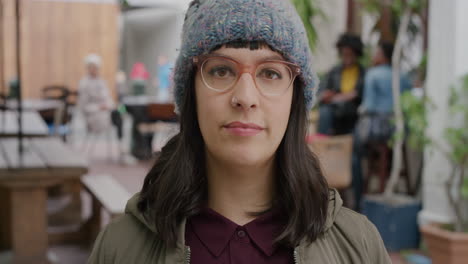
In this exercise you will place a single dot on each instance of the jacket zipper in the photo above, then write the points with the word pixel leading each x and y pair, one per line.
pixel 187 255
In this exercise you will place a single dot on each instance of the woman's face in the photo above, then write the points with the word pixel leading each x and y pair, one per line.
pixel 93 70
pixel 242 126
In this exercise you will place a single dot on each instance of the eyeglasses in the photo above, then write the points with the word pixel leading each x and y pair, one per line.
pixel 271 77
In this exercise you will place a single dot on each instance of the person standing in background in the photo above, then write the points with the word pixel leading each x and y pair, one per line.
pixel 95 100
pixel 139 79
pixel 375 124
pixel 164 78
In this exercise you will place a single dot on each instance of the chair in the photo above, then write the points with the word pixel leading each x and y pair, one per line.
pixel 103 127
pixel 334 153
pixel 162 112
pixel 57 119
pixel 379 162
pixel 164 122
pixel 3 101
pixel 92 137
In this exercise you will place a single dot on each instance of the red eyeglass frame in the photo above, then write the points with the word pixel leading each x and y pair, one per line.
pixel 251 69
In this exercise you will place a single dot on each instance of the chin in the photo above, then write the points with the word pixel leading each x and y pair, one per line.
pixel 246 156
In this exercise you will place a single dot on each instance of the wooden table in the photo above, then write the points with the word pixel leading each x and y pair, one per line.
pixel 141 100
pixel 139 107
pixel 35 104
pixel 24 178
pixel 33 124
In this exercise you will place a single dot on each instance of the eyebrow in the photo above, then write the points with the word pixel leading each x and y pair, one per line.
pixel 272 57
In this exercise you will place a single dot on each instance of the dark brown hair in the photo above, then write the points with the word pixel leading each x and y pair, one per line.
pixel 387 50
pixel 176 186
pixel 351 41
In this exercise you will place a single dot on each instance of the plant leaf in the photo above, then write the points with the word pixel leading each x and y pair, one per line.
pixel 464 189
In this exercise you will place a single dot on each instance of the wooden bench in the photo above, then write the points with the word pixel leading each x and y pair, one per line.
pixel 25 177
pixel 106 194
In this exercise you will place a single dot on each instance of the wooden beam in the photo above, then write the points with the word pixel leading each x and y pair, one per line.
pixel 29 226
pixel 2 67
pixel 350 16
pixel 57 35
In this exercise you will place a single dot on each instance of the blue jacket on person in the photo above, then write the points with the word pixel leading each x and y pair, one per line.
pixel 378 96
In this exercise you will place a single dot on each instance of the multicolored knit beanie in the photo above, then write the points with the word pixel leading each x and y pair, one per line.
pixel 211 23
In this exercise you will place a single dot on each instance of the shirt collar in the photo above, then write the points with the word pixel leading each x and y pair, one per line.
pixel 215 231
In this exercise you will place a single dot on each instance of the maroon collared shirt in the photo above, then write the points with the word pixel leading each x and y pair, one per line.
pixel 212 238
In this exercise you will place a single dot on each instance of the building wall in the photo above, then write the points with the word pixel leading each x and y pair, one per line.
pixel 55 38
pixel 143 44
pixel 461 31
pixel 149 33
pixel 447 62
pixel 8 41
pixel 328 30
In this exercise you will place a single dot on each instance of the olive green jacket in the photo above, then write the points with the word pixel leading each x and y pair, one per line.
pixel 349 239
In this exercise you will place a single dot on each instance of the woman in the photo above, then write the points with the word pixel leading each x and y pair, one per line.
pixel 95 101
pixel 238 184
pixel 341 92
pixel 375 125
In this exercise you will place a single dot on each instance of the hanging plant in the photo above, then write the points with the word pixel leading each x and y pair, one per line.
pixel 307 10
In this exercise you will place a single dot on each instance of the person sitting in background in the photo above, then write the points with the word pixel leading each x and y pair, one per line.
pixel 341 91
pixel 95 101
pixel 375 123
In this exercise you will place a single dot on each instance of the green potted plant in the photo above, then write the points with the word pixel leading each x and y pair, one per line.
pixel 448 244
pixel 395 214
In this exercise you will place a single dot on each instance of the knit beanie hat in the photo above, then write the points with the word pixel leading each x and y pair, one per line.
pixel 211 23
pixel 93 59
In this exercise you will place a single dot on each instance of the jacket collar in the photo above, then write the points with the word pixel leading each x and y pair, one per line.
pixel 182 252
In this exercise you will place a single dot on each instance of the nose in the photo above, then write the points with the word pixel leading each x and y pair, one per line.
pixel 246 93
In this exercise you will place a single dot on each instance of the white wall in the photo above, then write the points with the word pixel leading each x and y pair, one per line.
pixel 461 66
pixel 329 29
pixel 413 48
pixel 447 55
pixel 179 4
pixel 325 56
pixel 148 33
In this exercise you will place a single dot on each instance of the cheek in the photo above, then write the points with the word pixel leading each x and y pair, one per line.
pixel 279 116
pixel 202 107
pixel 207 108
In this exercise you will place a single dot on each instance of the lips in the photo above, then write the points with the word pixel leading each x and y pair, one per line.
pixel 243 129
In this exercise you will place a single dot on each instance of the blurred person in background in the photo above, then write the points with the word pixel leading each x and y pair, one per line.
pixel 341 90
pixel 139 79
pixel 164 78
pixel 375 124
pixel 238 184
pixel 121 85
pixel 95 100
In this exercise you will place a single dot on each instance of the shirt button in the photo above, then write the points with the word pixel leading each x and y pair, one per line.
pixel 241 233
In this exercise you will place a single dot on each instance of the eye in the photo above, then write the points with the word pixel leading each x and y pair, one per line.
pixel 221 72
pixel 270 74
